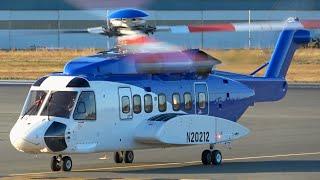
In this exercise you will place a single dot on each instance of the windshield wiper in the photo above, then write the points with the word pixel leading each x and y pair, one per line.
pixel 36 104
pixel 29 110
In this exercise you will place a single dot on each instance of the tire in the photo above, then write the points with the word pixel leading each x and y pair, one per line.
pixel 66 163
pixel 55 165
pixel 128 157
pixel 216 157
pixel 206 157
pixel 118 157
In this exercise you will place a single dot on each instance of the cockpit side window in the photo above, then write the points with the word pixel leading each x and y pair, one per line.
pixel 34 102
pixel 86 106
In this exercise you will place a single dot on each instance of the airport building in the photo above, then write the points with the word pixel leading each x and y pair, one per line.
pixel 38 23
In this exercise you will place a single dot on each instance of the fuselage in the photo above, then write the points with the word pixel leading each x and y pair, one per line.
pixel 115 102
pixel 121 103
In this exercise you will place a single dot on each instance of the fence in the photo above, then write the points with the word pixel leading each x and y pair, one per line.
pixel 42 28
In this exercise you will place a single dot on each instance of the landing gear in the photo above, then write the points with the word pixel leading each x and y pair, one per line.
pixel 206 157
pixel 66 163
pixel 58 162
pixel 118 157
pixel 55 164
pixel 216 157
pixel 211 157
pixel 126 156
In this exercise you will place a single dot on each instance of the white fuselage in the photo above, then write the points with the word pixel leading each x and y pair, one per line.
pixel 111 129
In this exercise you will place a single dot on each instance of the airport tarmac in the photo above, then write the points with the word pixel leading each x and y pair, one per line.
pixel 284 144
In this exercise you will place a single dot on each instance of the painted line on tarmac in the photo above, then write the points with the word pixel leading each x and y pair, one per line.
pixel 273 156
pixel 170 164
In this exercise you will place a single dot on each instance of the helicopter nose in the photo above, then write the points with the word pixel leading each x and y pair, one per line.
pixel 25 141
pixel 26 144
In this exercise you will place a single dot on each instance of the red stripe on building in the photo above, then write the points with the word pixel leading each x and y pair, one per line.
pixel 211 27
pixel 311 24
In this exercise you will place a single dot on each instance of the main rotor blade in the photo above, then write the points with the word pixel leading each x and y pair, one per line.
pixel 96 30
pixel 238 27
pixel 93 30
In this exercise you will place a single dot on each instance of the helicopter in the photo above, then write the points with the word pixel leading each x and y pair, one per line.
pixel 145 94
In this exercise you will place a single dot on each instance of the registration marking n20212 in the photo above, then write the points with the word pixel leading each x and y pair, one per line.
pixel 194 137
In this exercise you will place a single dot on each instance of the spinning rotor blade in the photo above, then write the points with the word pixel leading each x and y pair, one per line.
pixel 291 23
pixel 93 30
pixel 96 30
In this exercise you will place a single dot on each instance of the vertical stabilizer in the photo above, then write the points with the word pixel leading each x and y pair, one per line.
pixel 288 42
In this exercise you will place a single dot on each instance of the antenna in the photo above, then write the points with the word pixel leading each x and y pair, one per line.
pixel 108 19
pixel 249 30
pixel 108 25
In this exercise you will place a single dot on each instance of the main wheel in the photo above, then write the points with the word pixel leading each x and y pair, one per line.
pixel 66 163
pixel 55 164
pixel 118 157
pixel 206 157
pixel 128 157
pixel 216 157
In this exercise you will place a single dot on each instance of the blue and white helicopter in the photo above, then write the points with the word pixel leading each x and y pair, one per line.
pixel 149 94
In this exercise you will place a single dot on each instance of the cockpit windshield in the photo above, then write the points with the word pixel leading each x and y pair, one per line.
pixel 60 104
pixel 34 102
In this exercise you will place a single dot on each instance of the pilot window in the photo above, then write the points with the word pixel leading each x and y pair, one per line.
pixel 187 101
pixel 125 104
pixel 86 107
pixel 60 104
pixel 176 102
pixel 34 102
pixel 148 106
pixel 162 102
pixel 136 104
pixel 202 100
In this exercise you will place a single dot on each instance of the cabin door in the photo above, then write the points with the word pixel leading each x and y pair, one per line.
pixel 201 98
pixel 125 103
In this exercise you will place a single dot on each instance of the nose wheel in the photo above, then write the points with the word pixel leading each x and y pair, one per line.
pixel 55 164
pixel 59 162
pixel 211 157
pixel 66 163
pixel 126 156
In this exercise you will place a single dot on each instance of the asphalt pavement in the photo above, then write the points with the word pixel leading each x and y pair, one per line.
pixel 284 143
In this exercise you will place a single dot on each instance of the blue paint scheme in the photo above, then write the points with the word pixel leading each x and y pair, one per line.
pixel 229 94
pixel 127 13
pixel 288 42
pixel 114 63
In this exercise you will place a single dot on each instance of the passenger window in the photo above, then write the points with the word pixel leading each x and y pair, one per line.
pixel 187 101
pixel 202 100
pixel 136 104
pixel 176 102
pixel 86 107
pixel 148 106
pixel 125 104
pixel 162 103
